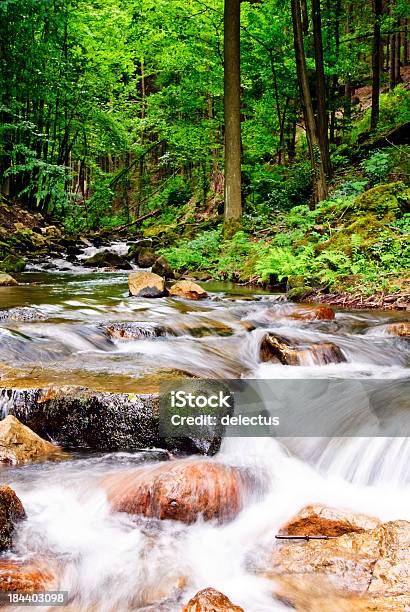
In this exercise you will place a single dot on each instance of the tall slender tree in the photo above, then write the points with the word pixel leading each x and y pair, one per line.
pixel 376 63
pixel 232 116
pixel 316 158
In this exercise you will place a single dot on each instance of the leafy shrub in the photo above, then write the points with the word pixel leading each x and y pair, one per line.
pixel 377 167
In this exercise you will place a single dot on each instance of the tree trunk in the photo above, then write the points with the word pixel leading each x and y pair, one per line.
pixel 232 115
pixel 321 120
pixel 376 60
pixel 319 176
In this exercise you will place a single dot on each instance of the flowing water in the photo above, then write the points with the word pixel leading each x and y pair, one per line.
pixel 109 561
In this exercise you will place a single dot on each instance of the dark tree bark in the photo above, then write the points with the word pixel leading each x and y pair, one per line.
pixel 232 115
pixel 376 61
pixel 316 158
pixel 321 121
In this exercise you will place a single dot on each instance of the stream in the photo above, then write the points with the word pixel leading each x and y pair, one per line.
pixel 111 561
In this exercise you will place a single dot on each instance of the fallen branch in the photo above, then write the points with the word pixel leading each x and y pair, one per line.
pixel 120 228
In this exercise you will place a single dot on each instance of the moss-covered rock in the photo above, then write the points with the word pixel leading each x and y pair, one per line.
pixel 13 263
pixel 298 294
pixel 392 200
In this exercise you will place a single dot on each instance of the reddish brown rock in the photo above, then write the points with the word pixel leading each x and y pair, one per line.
pixel 187 289
pixel 29 577
pixel 180 490
pixel 11 511
pixel 281 350
pixel 317 313
pixel 318 519
pixel 211 600
pixel 358 569
pixel 399 329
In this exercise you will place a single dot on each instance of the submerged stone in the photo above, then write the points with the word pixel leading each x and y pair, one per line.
pixel 281 350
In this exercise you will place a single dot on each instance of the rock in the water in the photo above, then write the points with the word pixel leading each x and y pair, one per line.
pixel 318 313
pixel 399 329
pixel 106 259
pixel 78 417
pixel 211 600
pixel 280 350
pixel 187 289
pixel 318 519
pixel 162 267
pixel 299 294
pixel 11 511
pixel 19 444
pixel 145 256
pixel 23 576
pixel 371 565
pixel 181 490
pixel 146 284
pixel 134 331
pixel 22 314
pixel 7 281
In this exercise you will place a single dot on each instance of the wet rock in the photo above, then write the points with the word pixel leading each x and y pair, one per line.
pixel 187 289
pixel 19 444
pixel 77 417
pixel 374 565
pixel 181 490
pixel 318 519
pixel 145 257
pixel 318 313
pixel 134 331
pixel 11 511
pixel 7 281
pixel 106 259
pixel 299 294
pixel 146 284
pixel 162 268
pixel 399 329
pixel 211 600
pixel 22 314
pixel 281 350
pixel 23 576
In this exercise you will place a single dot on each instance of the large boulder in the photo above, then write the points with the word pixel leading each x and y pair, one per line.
pixel 7 281
pixel 211 600
pixel 318 519
pixel 11 511
pixel 24 576
pixel 181 490
pixel 146 284
pixel 78 417
pixel 187 289
pixel 162 268
pixel 358 569
pixel 19 444
pixel 107 259
pixel 281 350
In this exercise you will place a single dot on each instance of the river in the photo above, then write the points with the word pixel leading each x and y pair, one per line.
pixel 109 561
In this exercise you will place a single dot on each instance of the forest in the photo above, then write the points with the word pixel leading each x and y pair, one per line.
pixel 204 305
pixel 114 110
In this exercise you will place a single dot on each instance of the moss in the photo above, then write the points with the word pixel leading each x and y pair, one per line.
pixel 361 234
pixel 12 263
pixel 298 294
pixel 392 200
